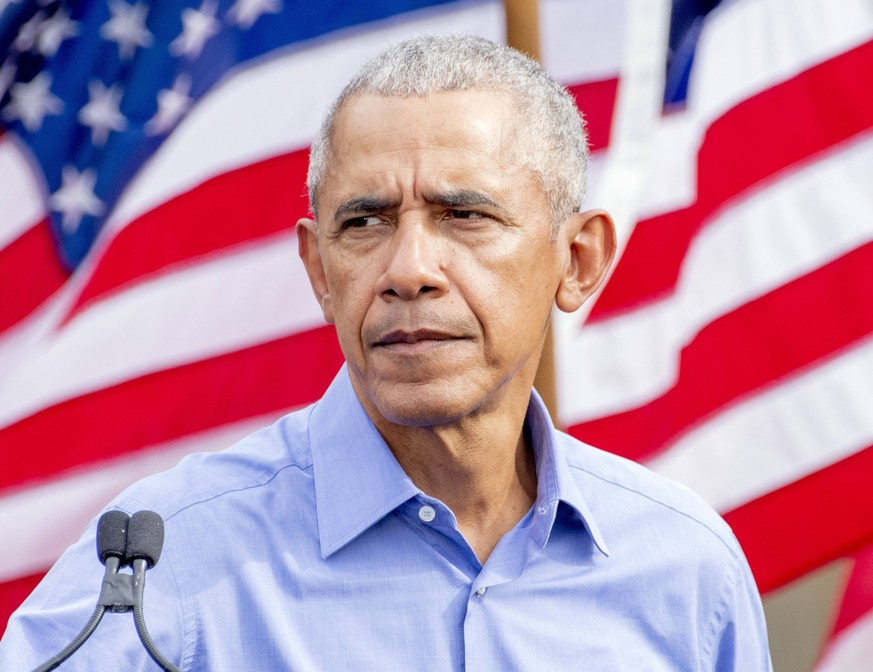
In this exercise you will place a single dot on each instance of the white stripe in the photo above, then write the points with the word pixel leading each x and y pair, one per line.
pixel 670 182
pixel 22 202
pixel 746 48
pixel 596 165
pixel 255 294
pixel 584 39
pixel 276 106
pixel 807 219
pixel 44 519
pixel 780 435
pixel 852 649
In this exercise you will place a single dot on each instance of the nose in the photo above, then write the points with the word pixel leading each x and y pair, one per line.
pixel 416 263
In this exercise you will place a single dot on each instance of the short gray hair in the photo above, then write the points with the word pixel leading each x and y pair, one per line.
pixel 553 141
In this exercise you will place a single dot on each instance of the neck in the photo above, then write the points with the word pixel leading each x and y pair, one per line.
pixel 481 467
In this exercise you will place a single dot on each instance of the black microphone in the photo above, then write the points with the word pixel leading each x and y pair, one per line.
pixel 145 539
pixel 116 592
pixel 111 548
pixel 112 535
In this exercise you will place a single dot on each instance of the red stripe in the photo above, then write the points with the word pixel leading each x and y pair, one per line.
pixel 169 404
pixel 250 202
pixel 30 272
pixel 797 528
pixel 751 143
pixel 13 593
pixel 597 102
pixel 765 340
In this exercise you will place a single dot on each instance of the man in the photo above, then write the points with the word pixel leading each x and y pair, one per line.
pixel 425 514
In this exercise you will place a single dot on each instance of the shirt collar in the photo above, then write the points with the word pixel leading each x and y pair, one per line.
pixel 358 481
pixel 554 483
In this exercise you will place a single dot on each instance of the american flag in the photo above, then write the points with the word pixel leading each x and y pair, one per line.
pixel 732 348
pixel 151 303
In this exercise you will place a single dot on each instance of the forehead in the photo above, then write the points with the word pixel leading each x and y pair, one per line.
pixel 477 115
pixel 440 137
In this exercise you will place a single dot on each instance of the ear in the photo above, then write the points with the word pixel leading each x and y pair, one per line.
pixel 591 239
pixel 307 247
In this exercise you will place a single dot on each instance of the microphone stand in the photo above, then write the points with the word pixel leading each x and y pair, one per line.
pixel 118 544
pixel 140 565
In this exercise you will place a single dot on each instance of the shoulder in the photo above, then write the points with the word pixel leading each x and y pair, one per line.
pixel 245 468
pixel 664 540
pixel 622 492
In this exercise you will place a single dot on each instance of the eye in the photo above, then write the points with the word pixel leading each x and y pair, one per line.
pixel 465 214
pixel 361 222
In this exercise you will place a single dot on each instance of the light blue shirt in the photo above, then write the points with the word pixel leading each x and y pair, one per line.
pixel 307 547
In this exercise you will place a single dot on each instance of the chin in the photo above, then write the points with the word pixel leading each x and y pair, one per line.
pixel 422 408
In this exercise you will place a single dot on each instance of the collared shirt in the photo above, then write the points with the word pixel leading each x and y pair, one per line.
pixel 307 547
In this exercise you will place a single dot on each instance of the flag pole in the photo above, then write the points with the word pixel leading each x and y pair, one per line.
pixel 523 33
pixel 523 26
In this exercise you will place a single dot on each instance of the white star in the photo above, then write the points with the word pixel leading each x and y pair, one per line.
pixel 7 76
pixel 101 113
pixel 172 105
pixel 127 27
pixel 244 13
pixel 5 3
pixel 32 101
pixel 28 34
pixel 55 30
pixel 76 197
pixel 198 25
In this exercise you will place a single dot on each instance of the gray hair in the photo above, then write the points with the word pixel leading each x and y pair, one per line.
pixel 553 141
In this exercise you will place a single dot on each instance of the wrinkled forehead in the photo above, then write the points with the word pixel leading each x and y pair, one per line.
pixel 488 113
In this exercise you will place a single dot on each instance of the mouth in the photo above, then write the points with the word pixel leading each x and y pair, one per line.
pixel 415 340
pixel 402 337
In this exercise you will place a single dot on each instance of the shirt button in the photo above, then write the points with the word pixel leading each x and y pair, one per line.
pixel 426 513
pixel 481 592
pixel 542 510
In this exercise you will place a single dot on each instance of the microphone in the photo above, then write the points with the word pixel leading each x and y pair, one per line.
pixel 145 539
pixel 111 548
pixel 112 535
pixel 115 593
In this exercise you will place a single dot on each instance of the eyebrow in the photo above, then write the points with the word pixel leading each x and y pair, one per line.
pixel 362 205
pixel 461 198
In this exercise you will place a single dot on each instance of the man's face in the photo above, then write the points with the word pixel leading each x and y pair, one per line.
pixel 434 255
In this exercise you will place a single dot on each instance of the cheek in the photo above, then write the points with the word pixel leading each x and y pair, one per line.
pixel 517 297
pixel 502 300
pixel 350 291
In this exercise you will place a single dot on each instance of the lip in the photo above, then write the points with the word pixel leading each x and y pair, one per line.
pixel 416 340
